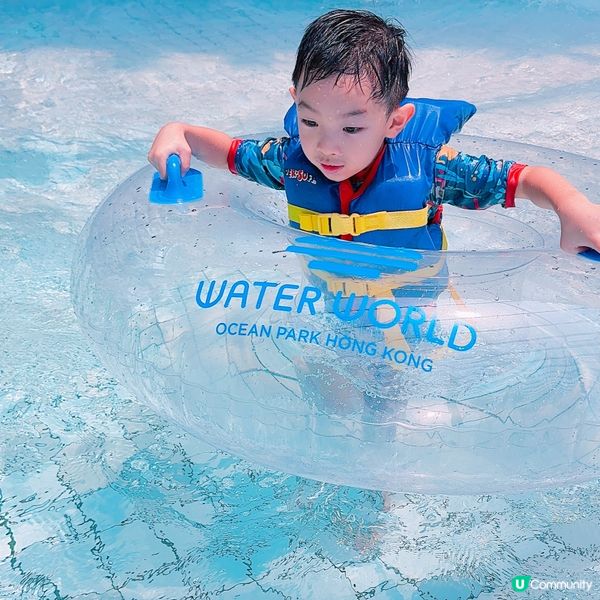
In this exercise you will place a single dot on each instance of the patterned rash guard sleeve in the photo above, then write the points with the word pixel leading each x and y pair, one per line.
pixel 473 182
pixel 259 161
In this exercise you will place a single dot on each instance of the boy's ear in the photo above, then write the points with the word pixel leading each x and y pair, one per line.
pixel 399 118
pixel 293 93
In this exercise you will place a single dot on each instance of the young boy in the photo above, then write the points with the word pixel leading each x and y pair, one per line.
pixel 357 147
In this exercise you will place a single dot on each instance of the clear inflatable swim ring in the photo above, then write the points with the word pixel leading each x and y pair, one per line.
pixel 467 371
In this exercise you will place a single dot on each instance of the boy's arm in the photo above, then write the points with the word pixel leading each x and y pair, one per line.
pixel 209 145
pixel 259 161
pixel 473 182
pixel 479 182
pixel 579 218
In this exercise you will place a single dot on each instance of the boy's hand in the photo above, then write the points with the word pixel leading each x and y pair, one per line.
pixel 579 218
pixel 579 224
pixel 170 140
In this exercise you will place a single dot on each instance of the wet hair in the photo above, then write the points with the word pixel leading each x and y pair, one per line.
pixel 360 44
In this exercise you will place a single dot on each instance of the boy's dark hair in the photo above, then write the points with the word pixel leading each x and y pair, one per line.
pixel 360 44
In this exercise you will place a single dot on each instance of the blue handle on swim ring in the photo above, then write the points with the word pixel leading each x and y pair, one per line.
pixel 590 254
pixel 175 188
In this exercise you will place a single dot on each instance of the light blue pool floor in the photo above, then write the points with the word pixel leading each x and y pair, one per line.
pixel 102 499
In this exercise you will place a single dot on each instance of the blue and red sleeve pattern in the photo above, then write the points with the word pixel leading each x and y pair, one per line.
pixel 259 161
pixel 472 182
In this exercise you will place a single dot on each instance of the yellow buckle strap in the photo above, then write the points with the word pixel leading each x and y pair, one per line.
pixel 329 223
pixel 338 224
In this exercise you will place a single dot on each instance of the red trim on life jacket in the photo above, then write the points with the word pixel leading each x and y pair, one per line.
pixel 231 155
pixel 437 215
pixel 512 182
pixel 346 191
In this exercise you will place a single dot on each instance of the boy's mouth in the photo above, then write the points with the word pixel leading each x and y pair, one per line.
pixel 331 168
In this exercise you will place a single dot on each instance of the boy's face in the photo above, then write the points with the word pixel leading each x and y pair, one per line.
pixel 330 134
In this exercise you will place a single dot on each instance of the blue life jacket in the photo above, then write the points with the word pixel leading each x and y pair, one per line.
pixel 402 182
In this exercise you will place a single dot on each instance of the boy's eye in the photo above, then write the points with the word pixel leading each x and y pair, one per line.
pixel 350 130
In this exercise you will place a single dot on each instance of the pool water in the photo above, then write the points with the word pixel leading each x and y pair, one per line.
pixel 99 497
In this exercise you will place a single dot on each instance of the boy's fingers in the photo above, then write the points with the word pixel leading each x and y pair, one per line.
pixel 568 247
pixel 185 158
pixel 161 167
pixel 158 163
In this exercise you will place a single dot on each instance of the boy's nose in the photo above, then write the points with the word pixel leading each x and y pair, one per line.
pixel 328 148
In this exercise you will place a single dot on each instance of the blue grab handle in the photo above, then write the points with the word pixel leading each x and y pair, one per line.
pixel 174 179
pixel 176 189
pixel 590 254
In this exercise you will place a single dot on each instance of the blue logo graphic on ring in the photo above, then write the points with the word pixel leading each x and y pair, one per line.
pixel 342 257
